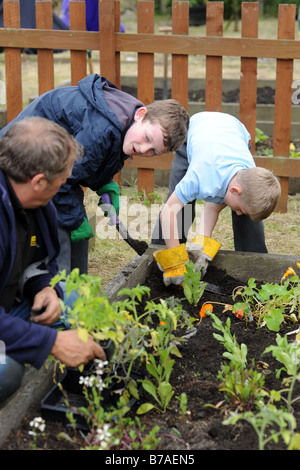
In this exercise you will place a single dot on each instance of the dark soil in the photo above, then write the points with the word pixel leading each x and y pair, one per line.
pixel 195 373
pixel 265 95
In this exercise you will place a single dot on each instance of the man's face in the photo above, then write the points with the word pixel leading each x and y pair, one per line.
pixel 144 138
pixel 48 189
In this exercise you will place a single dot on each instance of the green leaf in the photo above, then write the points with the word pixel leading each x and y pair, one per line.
pixel 144 408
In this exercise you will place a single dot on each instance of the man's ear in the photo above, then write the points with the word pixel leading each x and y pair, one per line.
pixel 38 182
pixel 140 113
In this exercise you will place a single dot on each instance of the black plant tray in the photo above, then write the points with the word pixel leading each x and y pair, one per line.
pixel 54 406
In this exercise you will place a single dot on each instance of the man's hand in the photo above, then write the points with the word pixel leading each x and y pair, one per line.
pixel 72 351
pixel 47 302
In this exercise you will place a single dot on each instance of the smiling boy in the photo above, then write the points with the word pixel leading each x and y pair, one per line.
pixel 111 126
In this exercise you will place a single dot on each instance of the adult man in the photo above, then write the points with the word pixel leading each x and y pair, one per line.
pixel 36 157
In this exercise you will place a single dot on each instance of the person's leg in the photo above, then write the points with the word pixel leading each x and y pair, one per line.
pixel 80 256
pixel 64 257
pixel 187 214
pixel 248 235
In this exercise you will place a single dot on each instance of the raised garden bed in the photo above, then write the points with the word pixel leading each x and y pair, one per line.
pixel 200 427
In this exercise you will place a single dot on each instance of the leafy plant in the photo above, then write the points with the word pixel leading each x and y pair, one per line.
pixel 272 303
pixel 269 423
pixel 289 355
pixel 192 286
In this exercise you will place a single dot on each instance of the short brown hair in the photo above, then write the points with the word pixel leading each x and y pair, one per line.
pixel 173 119
pixel 36 145
pixel 260 191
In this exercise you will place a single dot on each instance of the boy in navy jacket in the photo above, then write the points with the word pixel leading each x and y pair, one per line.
pixel 111 126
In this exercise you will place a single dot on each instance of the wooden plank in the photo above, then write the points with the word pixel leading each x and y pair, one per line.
pixel 283 97
pixel 180 81
pixel 44 20
pixel 213 83
pixel 117 54
pixel 248 82
pixel 78 58
pixel 107 39
pixel 152 43
pixel 13 68
pixel 281 166
pixel 145 81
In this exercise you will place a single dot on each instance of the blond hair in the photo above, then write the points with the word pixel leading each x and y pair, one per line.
pixel 260 191
pixel 173 119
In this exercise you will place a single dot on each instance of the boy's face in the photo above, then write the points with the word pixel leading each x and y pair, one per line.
pixel 143 137
pixel 233 200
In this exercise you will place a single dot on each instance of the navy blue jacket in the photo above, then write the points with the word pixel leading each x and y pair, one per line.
pixel 24 341
pixel 98 115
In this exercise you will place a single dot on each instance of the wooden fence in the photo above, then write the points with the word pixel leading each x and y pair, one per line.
pixel 110 42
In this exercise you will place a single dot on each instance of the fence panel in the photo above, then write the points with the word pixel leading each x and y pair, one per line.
pixel 13 68
pixel 111 43
pixel 44 20
pixel 213 82
pixel 78 58
pixel 248 81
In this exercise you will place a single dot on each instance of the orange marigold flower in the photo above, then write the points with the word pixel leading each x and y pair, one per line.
pixel 298 264
pixel 239 313
pixel 289 271
pixel 204 308
pixel 162 323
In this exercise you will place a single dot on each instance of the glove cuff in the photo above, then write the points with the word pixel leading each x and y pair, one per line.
pixel 171 257
pixel 210 246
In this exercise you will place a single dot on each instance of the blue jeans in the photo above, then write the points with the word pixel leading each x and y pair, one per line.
pixel 11 371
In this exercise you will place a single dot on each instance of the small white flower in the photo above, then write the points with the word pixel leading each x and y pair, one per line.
pixel 38 423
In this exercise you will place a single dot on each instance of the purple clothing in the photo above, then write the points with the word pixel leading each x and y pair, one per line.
pixel 92 15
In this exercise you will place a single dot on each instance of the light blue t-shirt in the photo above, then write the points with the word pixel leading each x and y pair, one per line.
pixel 217 148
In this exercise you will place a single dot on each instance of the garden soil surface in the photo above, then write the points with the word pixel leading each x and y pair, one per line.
pixel 195 373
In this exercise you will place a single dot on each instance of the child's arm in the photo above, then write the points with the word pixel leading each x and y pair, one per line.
pixel 209 217
pixel 168 219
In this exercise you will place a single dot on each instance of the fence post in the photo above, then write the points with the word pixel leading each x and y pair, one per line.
pixel 78 58
pixel 213 84
pixel 13 69
pixel 107 39
pixel 283 98
pixel 145 86
pixel 180 81
pixel 248 82
pixel 44 20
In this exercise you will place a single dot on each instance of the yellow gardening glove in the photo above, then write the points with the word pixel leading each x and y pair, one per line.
pixel 172 262
pixel 202 250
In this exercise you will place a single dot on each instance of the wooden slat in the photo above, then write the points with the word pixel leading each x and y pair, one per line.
pixel 44 20
pixel 78 58
pixel 13 68
pixel 117 54
pixel 107 39
pixel 145 83
pixel 248 82
pixel 175 44
pixel 153 43
pixel 281 166
pixel 213 84
pixel 283 97
pixel 180 81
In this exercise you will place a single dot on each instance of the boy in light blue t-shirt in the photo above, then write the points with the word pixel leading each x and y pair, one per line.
pixel 215 165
